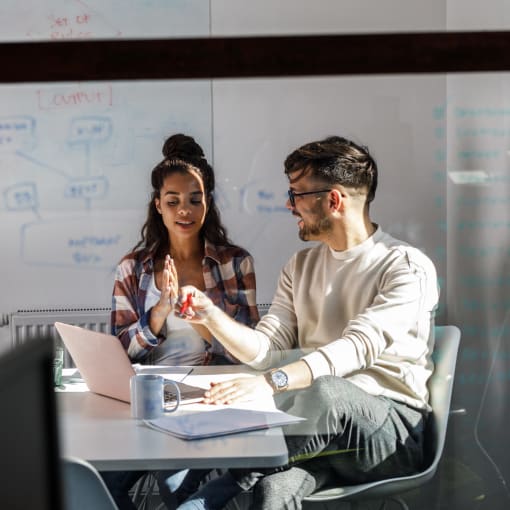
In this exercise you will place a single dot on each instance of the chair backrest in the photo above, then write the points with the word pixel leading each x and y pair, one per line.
pixel 447 340
pixel 84 489
pixel 441 387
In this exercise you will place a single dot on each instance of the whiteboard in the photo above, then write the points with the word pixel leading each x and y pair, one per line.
pixel 76 160
pixel 267 17
pixel 91 19
pixel 75 180
pixel 259 122
pixel 76 157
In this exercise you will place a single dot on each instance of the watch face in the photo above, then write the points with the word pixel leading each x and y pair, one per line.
pixel 280 379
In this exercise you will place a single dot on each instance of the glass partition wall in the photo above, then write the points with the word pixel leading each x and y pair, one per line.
pixel 251 82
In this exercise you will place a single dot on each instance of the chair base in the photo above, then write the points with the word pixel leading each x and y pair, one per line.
pixel 332 504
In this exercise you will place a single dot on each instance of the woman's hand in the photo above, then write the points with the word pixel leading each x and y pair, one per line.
pixel 170 283
pixel 168 298
pixel 238 390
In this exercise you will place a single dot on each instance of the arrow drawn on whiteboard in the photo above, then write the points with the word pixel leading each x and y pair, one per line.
pixel 41 164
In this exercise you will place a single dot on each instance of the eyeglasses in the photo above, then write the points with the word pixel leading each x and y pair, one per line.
pixel 292 194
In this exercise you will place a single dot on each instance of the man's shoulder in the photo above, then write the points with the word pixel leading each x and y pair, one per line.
pixel 396 248
pixel 308 255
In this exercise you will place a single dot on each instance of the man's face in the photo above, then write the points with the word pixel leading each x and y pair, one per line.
pixel 310 208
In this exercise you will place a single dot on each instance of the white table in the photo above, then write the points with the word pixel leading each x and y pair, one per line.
pixel 101 430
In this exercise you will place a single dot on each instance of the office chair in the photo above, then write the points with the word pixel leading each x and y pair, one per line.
pixel 447 339
pixel 84 489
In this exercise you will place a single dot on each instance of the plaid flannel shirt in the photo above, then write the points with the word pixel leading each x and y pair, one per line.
pixel 229 278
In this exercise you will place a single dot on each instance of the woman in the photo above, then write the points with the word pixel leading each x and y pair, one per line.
pixel 182 242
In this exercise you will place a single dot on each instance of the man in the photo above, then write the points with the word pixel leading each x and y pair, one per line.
pixel 360 304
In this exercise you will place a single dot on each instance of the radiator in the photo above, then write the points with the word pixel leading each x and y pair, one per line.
pixel 263 308
pixel 27 324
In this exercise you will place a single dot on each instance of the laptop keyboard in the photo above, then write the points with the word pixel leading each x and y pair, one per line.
pixel 170 394
pixel 188 392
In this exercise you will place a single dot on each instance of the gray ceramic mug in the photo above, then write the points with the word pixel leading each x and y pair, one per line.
pixel 148 396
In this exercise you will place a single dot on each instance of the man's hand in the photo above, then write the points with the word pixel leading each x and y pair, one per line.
pixel 238 390
pixel 238 339
pixel 196 308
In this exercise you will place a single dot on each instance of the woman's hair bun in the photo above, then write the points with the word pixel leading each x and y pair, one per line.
pixel 181 146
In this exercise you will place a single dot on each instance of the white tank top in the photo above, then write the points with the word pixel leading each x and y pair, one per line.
pixel 183 345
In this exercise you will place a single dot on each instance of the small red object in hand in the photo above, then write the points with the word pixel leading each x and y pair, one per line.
pixel 186 304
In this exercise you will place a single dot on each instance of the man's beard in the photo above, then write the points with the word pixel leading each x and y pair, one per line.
pixel 322 225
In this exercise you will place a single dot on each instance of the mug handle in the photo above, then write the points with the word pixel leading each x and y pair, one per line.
pixel 175 393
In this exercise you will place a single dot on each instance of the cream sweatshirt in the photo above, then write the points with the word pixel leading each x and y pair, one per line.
pixel 366 314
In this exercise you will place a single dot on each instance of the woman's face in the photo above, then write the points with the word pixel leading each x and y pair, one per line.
pixel 182 204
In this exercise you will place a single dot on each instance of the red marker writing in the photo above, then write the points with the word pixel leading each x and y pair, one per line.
pixel 186 304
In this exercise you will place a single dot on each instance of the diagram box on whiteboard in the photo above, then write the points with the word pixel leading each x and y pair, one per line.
pixel 75 242
pixel 89 130
pixel 21 197
pixel 91 187
pixel 16 132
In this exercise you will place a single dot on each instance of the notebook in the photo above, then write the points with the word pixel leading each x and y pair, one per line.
pixel 105 366
pixel 200 425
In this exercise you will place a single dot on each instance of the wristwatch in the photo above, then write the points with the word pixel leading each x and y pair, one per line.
pixel 277 379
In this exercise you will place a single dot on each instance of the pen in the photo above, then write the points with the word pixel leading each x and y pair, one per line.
pixel 186 304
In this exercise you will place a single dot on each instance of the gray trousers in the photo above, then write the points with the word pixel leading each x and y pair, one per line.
pixel 349 437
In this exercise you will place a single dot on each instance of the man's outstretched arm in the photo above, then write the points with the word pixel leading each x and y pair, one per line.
pixel 240 340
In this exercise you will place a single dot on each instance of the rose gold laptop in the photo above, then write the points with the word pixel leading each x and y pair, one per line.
pixel 105 366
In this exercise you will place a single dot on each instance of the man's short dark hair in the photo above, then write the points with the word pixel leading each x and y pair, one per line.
pixel 336 160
